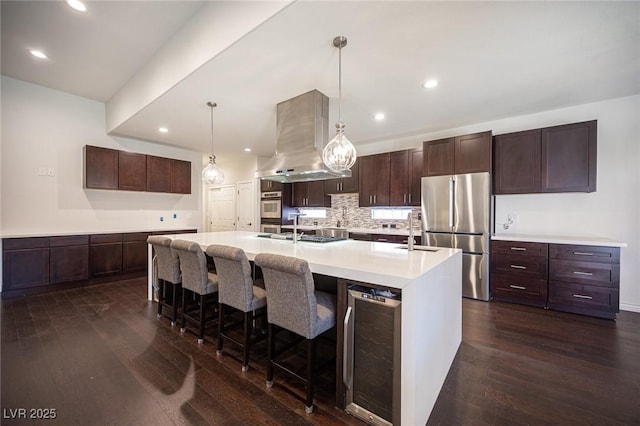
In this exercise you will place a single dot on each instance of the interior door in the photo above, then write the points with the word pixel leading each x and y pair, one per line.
pixel 222 208
pixel 245 207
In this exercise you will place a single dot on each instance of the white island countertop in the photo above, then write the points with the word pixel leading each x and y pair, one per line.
pixel 386 264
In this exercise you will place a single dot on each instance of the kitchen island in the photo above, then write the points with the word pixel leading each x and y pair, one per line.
pixel 431 309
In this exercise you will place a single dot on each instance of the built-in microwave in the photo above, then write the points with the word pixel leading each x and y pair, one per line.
pixel 271 205
pixel 268 228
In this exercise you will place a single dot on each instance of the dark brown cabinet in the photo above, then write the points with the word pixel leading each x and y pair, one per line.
pixel 132 171
pixel 552 159
pixel 310 194
pixel 25 262
pixel 405 177
pixel 105 255
pixel 112 169
pixel 461 154
pixel 345 185
pixel 519 272
pixel 517 163
pixel 101 168
pixel 584 279
pixel 269 185
pixel 374 181
pixel 569 157
pixel 158 174
pixel 134 251
pixel 68 258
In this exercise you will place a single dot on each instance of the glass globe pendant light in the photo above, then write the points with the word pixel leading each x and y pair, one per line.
pixel 212 175
pixel 339 154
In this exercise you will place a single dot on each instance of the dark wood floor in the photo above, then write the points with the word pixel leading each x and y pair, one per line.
pixel 98 355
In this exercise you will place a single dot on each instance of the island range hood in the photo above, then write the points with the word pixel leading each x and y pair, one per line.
pixel 301 134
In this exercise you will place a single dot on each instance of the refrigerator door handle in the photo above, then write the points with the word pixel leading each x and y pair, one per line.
pixel 451 201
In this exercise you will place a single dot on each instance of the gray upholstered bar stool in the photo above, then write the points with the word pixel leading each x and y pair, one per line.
pixel 293 304
pixel 196 280
pixel 168 275
pixel 236 289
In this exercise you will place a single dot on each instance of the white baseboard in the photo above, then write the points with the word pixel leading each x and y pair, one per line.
pixel 630 307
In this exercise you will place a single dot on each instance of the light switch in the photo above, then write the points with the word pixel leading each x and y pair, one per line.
pixel 50 173
pixel 42 171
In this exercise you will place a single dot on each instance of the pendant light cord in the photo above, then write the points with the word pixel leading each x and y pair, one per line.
pixel 340 83
pixel 211 106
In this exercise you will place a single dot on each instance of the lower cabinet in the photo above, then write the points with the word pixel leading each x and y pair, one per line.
pixel 584 279
pixel 519 272
pixel 105 253
pixel 570 278
pixel 68 258
pixel 134 252
pixel 25 263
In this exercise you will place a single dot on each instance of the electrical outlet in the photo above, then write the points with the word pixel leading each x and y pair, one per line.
pixel 50 172
pixel 161 219
pixel 512 218
pixel 175 215
pixel 42 171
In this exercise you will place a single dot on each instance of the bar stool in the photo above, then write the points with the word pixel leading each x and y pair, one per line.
pixel 196 279
pixel 168 274
pixel 236 289
pixel 295 305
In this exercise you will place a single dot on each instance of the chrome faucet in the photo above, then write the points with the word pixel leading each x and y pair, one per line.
pixel 294 216
pixel 410 241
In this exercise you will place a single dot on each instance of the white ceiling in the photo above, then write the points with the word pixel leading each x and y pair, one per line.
pixel 493 60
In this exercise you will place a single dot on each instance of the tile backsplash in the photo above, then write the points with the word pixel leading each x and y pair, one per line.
pixel 345 208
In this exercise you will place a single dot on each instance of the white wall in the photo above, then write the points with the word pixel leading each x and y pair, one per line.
pixel 46 128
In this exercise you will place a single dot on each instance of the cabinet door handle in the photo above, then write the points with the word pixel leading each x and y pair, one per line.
pixel 583 273
pixel 582 253
pixel 519 248
pixel 374 199
pixel 370 199
pixel 518 267
pixel 582 296
pixel 341 186
pixel 347 350
pixel 518 287
pixel 409 198
pixel 404 198
pixel 382 240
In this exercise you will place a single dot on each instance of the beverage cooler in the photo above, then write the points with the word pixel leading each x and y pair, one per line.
pixel 371 358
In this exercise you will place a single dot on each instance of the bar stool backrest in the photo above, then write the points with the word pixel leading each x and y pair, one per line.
pixel 235 283
pixel 193 265
pixel 167 259
pixel 291 300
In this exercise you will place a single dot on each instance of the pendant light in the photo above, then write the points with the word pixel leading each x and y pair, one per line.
pixel 212 175
pixel 339 154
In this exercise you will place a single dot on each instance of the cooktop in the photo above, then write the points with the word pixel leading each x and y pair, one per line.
pixel 303 237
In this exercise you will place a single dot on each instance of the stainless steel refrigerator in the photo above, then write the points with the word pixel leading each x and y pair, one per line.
pixel 456 213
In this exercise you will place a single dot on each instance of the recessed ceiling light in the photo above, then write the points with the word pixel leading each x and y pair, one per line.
pixel 430 84
pixel 163 130
pixel 379 116
pixel 77 5
pixel 38 53
pixel 247 150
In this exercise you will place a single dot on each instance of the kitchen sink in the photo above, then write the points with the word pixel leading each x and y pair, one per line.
pixel 333 232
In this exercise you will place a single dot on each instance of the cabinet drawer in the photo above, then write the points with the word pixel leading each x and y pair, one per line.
pixel 582 297
pixel 135 236
pixel 585 253
pixel 519 248
pixel 69 240
pixel 601 274
pixel 519 285
pixel 519 266
pixel 25 243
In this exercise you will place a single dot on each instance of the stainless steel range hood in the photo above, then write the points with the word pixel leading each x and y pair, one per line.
pixel 301 134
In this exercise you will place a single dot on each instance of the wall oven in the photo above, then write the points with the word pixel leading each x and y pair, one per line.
pixel 269 228
pixel 271 205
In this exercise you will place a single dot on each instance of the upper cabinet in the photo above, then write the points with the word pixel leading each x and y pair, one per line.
pixel 269 185
pixel 344 185
pixel 552 159
pixel 405 177
pixel 310 194
pixel 113 169
pixel 132 171
pixel 101 167
pixel 374 179
pixel 461 154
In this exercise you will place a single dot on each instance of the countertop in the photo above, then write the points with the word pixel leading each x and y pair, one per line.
pixel 94 231
pixel 560 239
pixel 379 263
